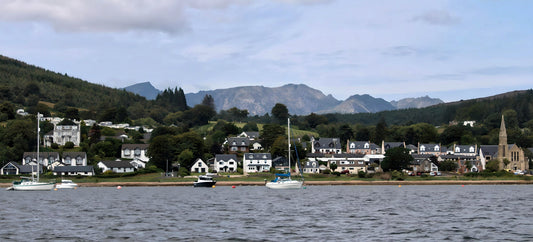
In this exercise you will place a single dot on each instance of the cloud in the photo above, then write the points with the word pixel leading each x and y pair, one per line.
pixel 400 51
pixel 437 17
pixel 109 15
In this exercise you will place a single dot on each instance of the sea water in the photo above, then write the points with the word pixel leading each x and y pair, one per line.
pixel 255 213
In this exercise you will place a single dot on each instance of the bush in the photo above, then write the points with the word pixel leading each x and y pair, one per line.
pixel 385 176
pixel 326 171
pixel 69 145
pixel 336 173
pixel 397 175
pixel 361 174
pixel 369 175
pixel 54 146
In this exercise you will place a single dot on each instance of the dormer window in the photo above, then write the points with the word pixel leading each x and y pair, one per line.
pixel 234 143
pixel 367 145
pixel 127 152
pixel 352 146
pixel 457 149
pixel 472 150
pixel 422 148
pixel 436 148
pixel 79 160
pixel 67 160
pixel 242 143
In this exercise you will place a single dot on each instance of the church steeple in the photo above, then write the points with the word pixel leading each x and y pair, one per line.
pixel 503 148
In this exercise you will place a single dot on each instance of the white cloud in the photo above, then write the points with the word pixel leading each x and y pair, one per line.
pixel 437 17
pixel 109 15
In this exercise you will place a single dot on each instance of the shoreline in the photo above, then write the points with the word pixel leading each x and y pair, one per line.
pixel 307 183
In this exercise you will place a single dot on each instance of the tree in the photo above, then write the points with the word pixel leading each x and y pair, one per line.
pixel 72 113
pixel 280 113
pixel 209 101
pixel 448 165
pixel 279 147
pixel 397 158
pixel 161 151
pixel 314 120
pixel 492 165
pixel 270 133
pixel 333 166
pixel 381 131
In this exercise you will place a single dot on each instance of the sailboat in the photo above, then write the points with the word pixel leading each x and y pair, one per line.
pixel 32 183
pixel 284 181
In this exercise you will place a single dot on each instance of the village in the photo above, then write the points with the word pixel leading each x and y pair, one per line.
pixel 324 155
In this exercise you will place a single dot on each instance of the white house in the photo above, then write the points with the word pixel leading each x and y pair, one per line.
pixel 117 166
pixel 200 166
pixel 326 145
pixel 311 167
pixel 74 158
pixel 63 133
pixel 135 151
pixel 73 171
pixel 226 163
pixel 256 162
pixel 45 158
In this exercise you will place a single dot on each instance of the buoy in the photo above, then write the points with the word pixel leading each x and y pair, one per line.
pixel 213 186
pixel 463 185
pixel 55 189
pixel 399 185
pixel 233 186
pixel 119 187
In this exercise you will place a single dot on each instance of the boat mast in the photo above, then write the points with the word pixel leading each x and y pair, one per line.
pixel 289 142
pixel 38 129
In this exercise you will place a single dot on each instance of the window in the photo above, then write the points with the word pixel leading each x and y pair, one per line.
pixel 137 152
pixel 67 160
pixel 472 150
pixel 436 148
pixel 231 163
pixel 79 160
pixel 422 148
pixel 127 152
pixel 457 149
pixel 367 145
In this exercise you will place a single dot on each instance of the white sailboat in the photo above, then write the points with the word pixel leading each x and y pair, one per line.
pixel 284 181
pixel 32 183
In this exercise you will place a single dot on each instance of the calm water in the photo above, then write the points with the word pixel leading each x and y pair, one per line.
pixel 317 213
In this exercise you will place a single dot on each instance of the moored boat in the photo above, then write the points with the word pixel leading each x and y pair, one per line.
pixel 205 181
pixel 66 184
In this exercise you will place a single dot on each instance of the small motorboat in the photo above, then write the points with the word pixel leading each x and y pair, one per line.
pixel 205 181
pixel 66 184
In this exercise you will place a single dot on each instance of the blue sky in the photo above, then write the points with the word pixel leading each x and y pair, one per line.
pixel 389 49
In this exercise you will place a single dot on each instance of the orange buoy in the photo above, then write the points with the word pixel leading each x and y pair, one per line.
pixel 233 186
pixel 119 187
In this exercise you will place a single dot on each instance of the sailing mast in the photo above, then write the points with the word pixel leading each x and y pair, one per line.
pixel 38 129
pixel 289 142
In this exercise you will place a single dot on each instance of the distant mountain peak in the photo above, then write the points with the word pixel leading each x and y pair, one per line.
pixel 144 89
pixel 419 102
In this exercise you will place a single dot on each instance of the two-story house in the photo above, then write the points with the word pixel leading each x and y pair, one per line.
pixel 135 151
pixel 326 145
pixel 256 162
pixel 226 163
pixel 361 147
pixel 431 149
pixel 238 144
pixel 45 158
pixel 64 131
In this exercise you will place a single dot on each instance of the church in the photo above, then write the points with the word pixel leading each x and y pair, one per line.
pixel 511 157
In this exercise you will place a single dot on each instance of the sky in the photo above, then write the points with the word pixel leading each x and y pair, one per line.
pixel 452 50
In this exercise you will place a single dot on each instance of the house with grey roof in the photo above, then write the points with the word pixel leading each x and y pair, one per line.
pixel 74 158
pixel 256 162
pixel 117 166
pixel 362 147
pixel 432 149
pixel 45 158
pixel 238 144
pixel 311 166
pixel 467 150
pixel 199 166
pixel 226 163
pixel 389 145
pixel 73 171
pixel 135 151
pixel 326 145
pixel 14 168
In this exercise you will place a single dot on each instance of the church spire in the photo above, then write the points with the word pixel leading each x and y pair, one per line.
pixel 503 133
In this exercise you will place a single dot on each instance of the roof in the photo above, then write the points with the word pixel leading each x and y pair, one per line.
pixel 388 145
pixel 41 154
pixel 328 143
pixel 239 141
pixel 280 161
pixel 258 156
pixel 361 145
pixel 117 164
pixel 73 169
pixel 225 157
pixel 491 150
pixel 74 154
pixel 135 146
pixel 348 155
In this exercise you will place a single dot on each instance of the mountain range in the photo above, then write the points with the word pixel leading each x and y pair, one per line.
pixel 300 99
